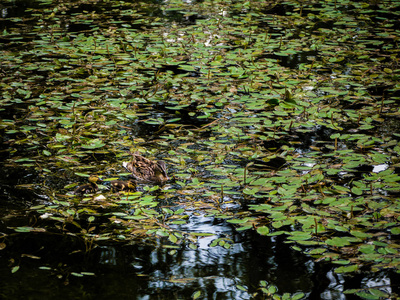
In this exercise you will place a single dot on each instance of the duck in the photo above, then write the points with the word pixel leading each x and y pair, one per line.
pixel 146 170
pixel 89 188
pixel 121 185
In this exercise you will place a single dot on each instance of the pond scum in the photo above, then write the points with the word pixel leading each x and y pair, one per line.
pixel 277 117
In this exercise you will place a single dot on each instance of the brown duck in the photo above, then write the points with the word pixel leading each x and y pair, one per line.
pixel 89 188
pixel 120 185
pixel 147 171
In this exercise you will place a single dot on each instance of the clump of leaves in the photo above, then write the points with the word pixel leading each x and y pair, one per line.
pixel 284 123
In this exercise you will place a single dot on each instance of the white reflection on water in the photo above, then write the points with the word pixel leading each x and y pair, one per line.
pixel 380 168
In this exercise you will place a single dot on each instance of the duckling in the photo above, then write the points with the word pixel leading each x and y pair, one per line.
pixel 120 185
pixel 146 170
pixel 89 188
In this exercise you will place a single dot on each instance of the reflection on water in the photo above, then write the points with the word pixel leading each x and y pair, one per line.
pixel 56 266
pixel 147 272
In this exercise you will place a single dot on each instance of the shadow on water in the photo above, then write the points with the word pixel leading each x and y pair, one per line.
pixel 54 266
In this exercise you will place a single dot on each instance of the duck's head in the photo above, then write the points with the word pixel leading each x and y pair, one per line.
pixel 131 184
pixel 94 178
pixel 160 172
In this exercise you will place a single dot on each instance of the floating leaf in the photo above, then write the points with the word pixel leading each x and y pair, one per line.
pixel 341 262
pixel 173 238
pixel 367 249
pixel 367 295
pixel 240 287
pixel 196 295
pixel 346 269
pixel 263 230
pixel 94 144
pixel 338 241
pixel 395 230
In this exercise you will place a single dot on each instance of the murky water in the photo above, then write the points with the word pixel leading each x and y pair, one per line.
pixel 54 266
pixel 149 272
pixel 57 264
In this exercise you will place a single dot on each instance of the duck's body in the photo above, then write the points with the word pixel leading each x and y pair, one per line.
pixel 120 185
pixel 89 188
pixel 146 170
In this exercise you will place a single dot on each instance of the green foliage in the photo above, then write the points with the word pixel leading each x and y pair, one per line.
pixel 270 291
pixel 293 121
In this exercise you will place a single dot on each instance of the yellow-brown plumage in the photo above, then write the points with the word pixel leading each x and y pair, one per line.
pixel 146 170
pixel 120 185
pixel 89 188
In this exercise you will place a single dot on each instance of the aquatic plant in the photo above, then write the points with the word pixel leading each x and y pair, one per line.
pixel 276 117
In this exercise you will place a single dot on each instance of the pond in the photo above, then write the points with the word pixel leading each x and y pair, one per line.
pixel 278 123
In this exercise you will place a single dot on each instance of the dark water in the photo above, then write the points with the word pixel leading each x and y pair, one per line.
pixel 149 272
pixel 57 266
pixel 63 266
